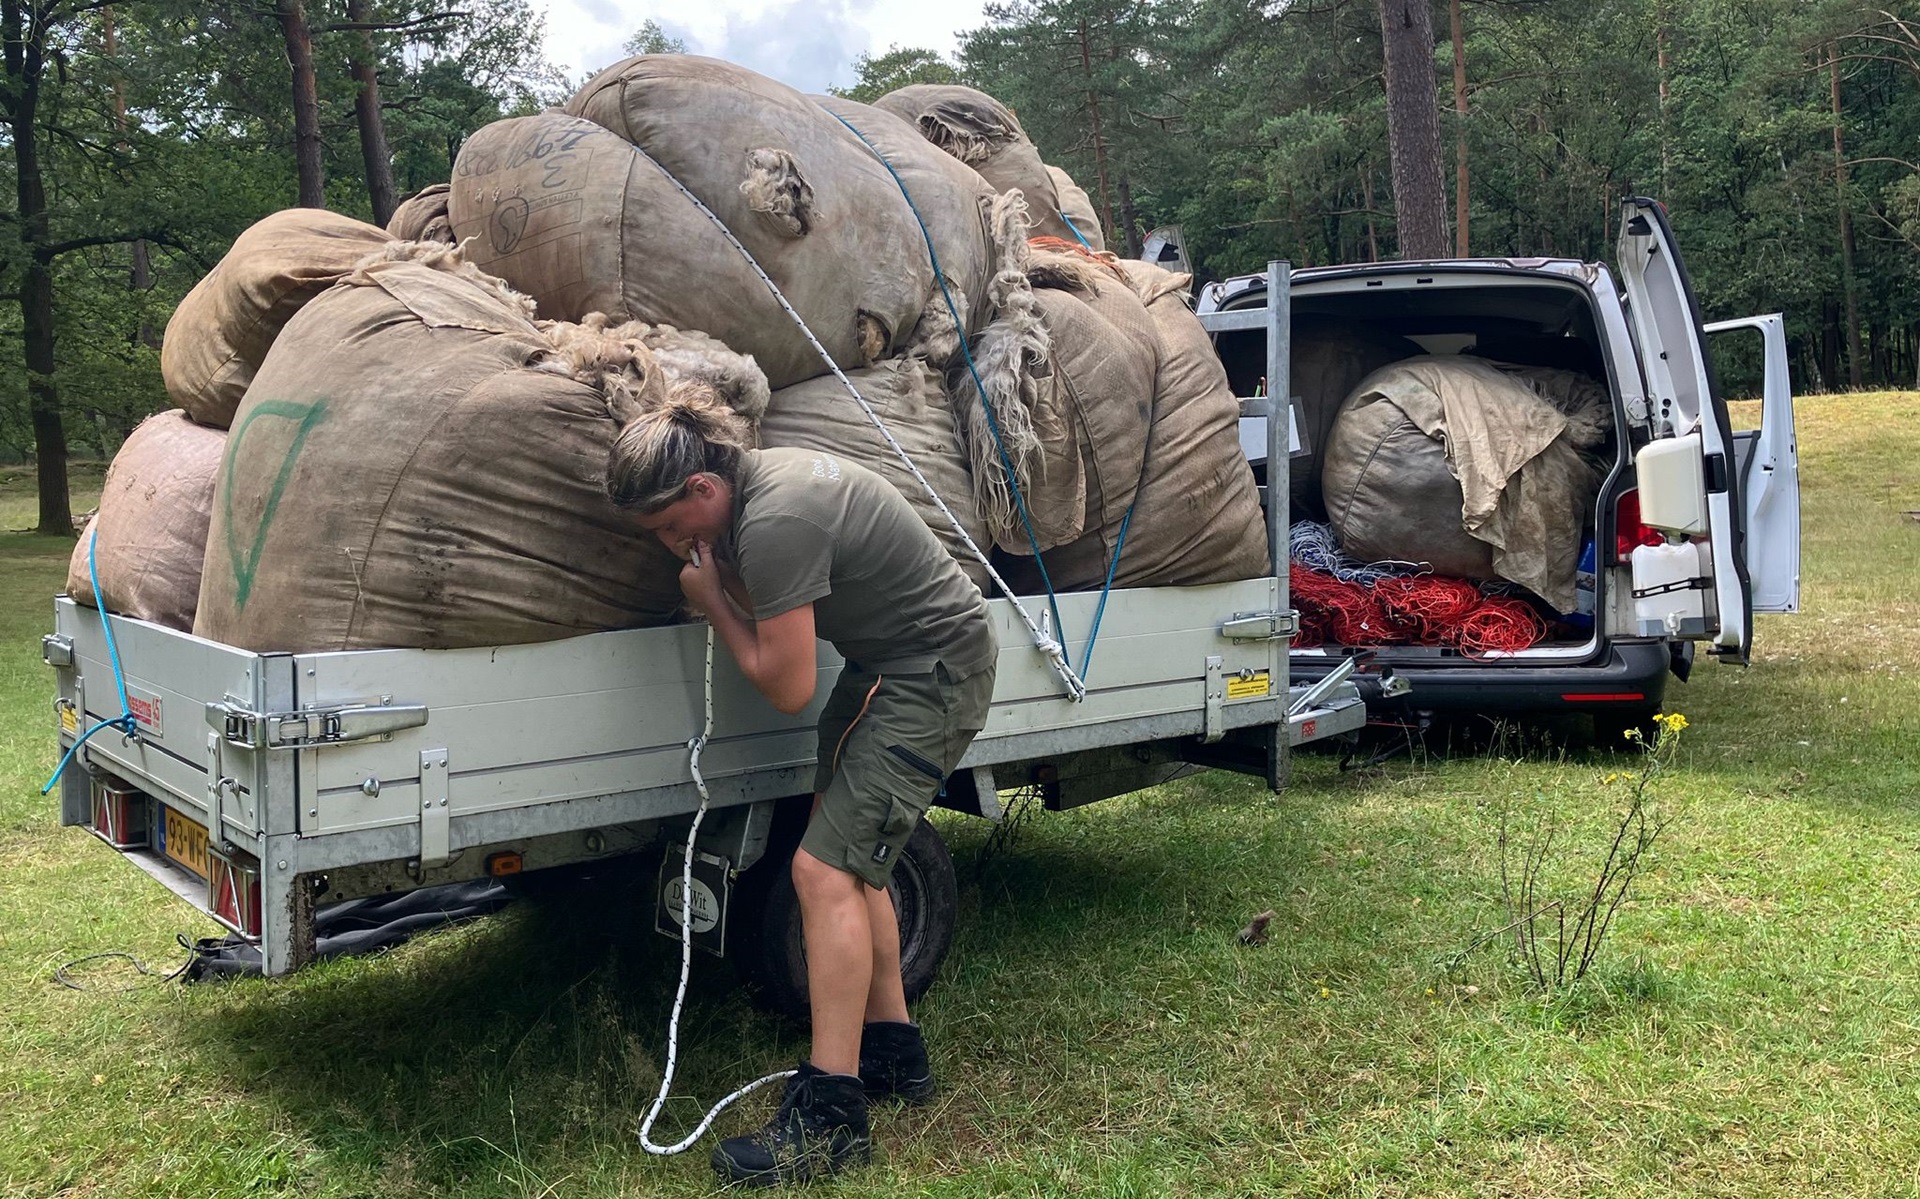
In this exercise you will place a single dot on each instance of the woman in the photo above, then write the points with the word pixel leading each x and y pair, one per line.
pixel 783 546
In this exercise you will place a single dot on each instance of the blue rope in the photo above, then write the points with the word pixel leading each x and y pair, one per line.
pixel 993 424
pixel 1107 588
pixel 1068 221
pixel 1120 542
pixel 125 721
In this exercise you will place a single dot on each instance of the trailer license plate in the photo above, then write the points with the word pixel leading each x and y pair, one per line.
pixel 184 841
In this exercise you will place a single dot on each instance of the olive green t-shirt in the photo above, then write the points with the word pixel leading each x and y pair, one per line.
pixel 811 527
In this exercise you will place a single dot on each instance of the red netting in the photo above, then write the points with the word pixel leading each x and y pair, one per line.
pixel 1428 610
pixel 1345 611
pixel 1501 624
pixel 1429 607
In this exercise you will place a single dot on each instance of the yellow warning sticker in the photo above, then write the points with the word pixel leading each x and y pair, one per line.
pixel 69 719
pixel 1250 686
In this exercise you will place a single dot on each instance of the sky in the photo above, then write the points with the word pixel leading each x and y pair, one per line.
pixel 808 44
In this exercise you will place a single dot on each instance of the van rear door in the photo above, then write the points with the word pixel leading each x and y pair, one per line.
pixel 1768 467
pixel 1665 317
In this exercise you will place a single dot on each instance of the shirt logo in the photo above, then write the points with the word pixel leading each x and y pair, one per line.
pixel 881 854
pixel 825 467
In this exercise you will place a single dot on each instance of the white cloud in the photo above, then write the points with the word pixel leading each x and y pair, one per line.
pixel 807 44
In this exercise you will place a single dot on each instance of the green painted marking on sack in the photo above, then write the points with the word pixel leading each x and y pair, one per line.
pixel 245 565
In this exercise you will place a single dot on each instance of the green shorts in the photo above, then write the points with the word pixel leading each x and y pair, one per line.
pixel 879 771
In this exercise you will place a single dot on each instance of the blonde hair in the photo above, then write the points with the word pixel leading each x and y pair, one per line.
pixel 691 432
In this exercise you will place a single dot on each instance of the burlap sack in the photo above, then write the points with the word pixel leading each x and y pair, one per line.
pixel 1093 415
pixel 423 217
pixel 1198 518
pixel 983 133
pixel 150 536
pixel 953 201
pixel 1330 357
pixel 1077 209
pixel 417 465
pixel 1460 464
pixel 221 331
pixel 907 395
pixel 813 203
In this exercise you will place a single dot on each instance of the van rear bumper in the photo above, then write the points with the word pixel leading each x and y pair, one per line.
pixel 1627 677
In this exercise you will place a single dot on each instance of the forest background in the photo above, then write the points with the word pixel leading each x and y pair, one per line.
pixel 142 137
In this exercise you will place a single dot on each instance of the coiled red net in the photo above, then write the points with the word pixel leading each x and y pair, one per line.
pixel 1425 610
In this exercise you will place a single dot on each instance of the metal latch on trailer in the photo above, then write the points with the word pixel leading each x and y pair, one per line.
pixel 56 650
pixel 1260 626
pixel 313 727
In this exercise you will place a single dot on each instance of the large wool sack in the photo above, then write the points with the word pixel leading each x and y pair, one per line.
pixel 1466 466
pixel 814 204
pixel 150 535
pixel 1330 357
pixel 983 133
pixel 1077 209
pixel 222 330
pixel 417 465
pixel 958 208
pixel 906 394
pixel 423 217
pixel 583 220
pixel 1198 517
pixel 1093 412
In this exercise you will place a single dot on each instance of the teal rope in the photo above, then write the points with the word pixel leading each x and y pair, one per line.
pixel 1120 542
pixel 1068 222
pixel 125 721
pixel 993 424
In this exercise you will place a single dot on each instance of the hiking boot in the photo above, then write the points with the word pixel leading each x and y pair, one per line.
pixel 820 1128
pixel 893 1062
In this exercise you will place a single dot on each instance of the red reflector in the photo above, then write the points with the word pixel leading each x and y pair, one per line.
pixel 1628 532
pixel 1601 697
pixel 500 865
pixel 233 892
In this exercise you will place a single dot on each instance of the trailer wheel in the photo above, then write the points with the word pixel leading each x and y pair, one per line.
pixel 765 940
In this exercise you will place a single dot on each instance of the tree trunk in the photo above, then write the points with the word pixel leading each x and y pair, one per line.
pixel 20 102
pixel 1129 220
pixel 1413 128
pixel 1093 125
pixel 1663 61
pixel 1460 142
pixel 306 103
pixel 365 64
pixel 1366 197
pixel 1846 230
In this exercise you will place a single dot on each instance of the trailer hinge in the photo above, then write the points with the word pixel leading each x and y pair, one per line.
pixel 1214 725
pixel 313 727
pixel 1260 626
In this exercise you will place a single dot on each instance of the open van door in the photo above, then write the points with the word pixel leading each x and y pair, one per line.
pixel 1767 462
pixel 1686 406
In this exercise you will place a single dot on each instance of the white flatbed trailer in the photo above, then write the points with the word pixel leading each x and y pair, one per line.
pixel 261 785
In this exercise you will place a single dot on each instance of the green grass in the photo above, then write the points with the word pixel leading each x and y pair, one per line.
pixel 20 504
pixel 1752 1029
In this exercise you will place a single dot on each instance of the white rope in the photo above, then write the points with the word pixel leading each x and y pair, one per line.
pixel 1051 648
pixel 686 959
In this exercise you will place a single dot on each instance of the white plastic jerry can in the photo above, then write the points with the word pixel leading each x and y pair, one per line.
pixel 1670 589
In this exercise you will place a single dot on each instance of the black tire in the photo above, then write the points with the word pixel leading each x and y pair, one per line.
pixel 765 941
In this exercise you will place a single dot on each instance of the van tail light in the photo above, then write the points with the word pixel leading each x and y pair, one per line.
pixel 233 891
pixel 1628 533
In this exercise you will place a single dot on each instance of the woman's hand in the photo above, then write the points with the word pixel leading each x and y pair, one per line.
pixel 703 580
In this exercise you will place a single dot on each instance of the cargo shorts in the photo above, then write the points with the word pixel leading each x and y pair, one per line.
pixel 887 745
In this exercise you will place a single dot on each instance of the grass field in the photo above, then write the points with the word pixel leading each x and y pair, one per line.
pixel 1752 1027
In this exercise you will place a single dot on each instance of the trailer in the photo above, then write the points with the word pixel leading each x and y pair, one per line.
pixel 260 786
